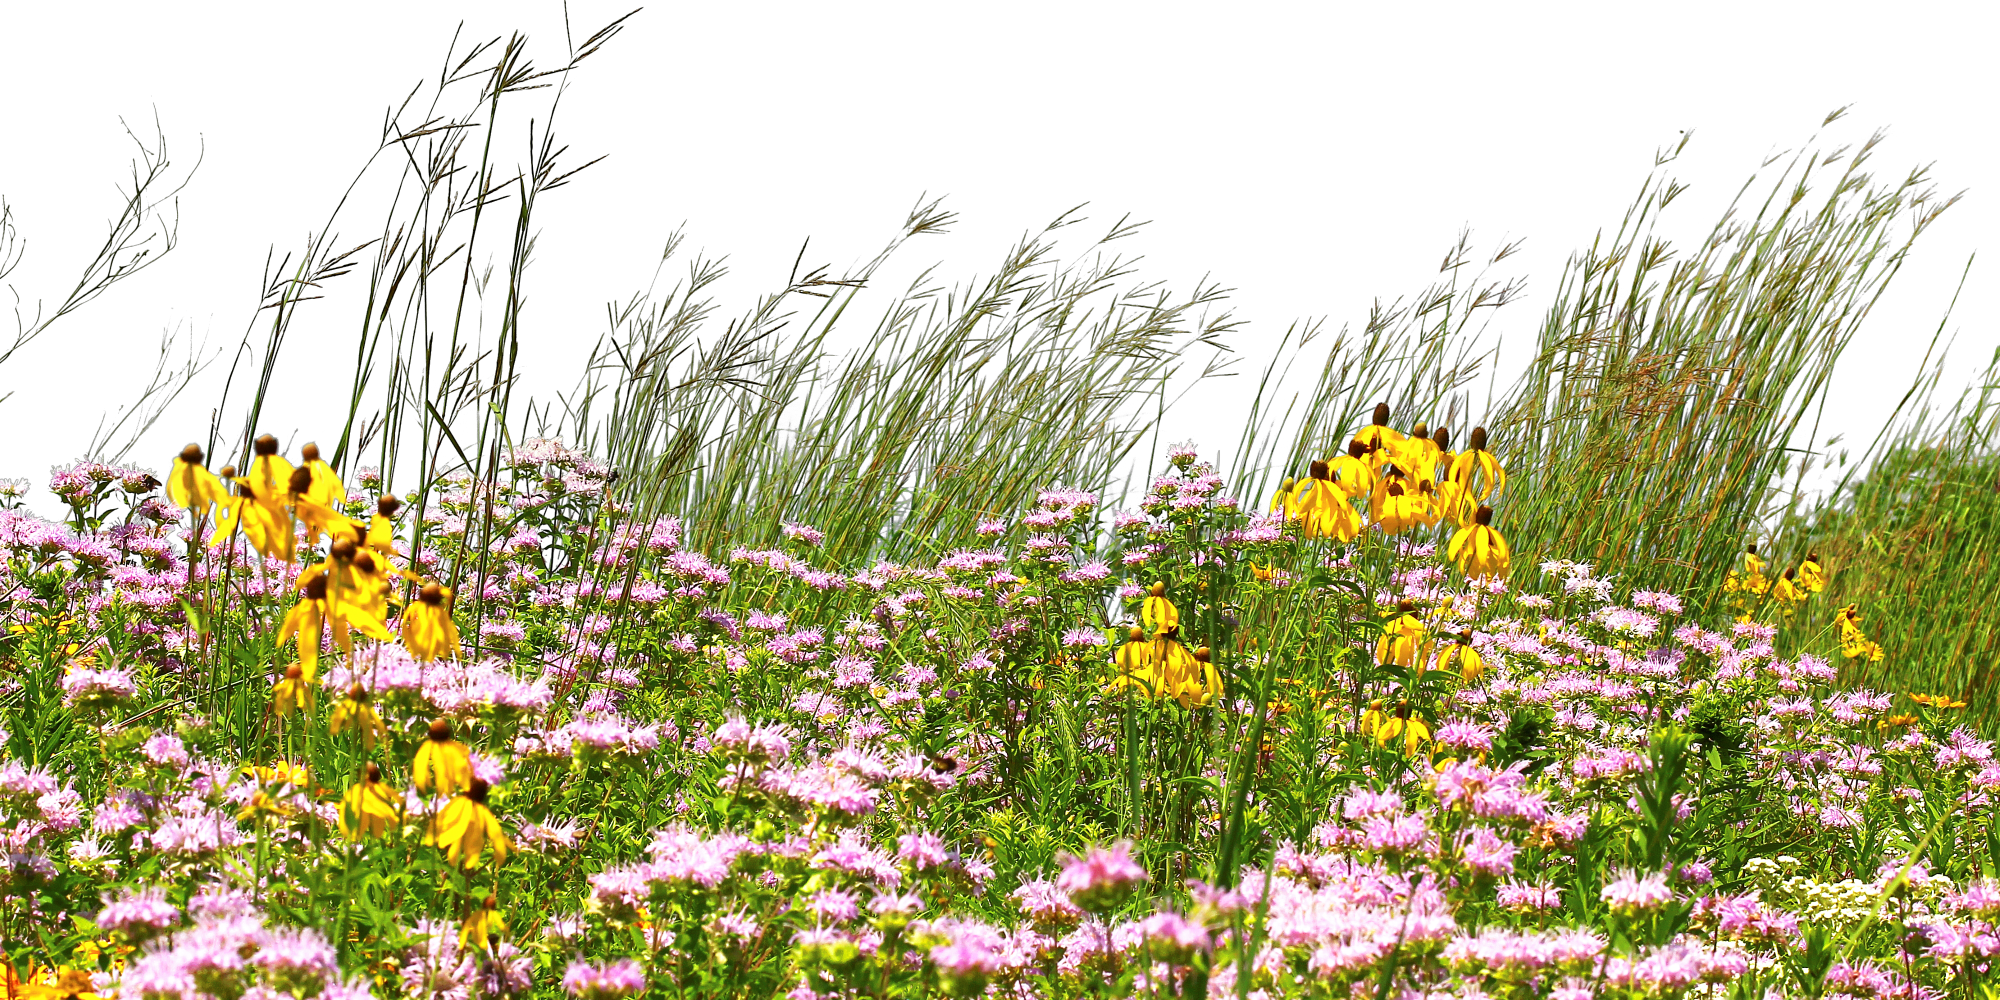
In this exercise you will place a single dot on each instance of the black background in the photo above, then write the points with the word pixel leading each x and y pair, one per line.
pixel 1315 169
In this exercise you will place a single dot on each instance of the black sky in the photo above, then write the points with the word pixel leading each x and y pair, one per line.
pixel 1307 167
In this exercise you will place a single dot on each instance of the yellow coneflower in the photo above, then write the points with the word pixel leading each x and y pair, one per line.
pixel 465 827
pixel 1137 667
pixel 442 764
pixel 1323 509
pixel 1353 471
pixel 1462 659
pixel 305 620
pixel 428 632
pixel 293 693
pixel 1283 500
pixel 354 712
pixel 1812 575
pixel 1455 502
pixel 1442 439
pixel 382 527
pixel 1417 454
pixel 1403 638
pixel 284 773
pixel 192 486
pixel 1397 505
pixel 370 807
pixel 1943 701
pixel 319 519
pixel 1190 678
pixel 1377 438
pixel 1753 565
pixel 347 593
pixel 323 485
pixel 261 509
pixel 483 925
pixel 1157 613
pixel 1401 726
pixel 1787 594
pixel 63 983
pixel 1478 549
pixel 367 586
pixel 1854 643
pixel 1477 470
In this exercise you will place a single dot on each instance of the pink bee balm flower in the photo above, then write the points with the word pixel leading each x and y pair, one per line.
pixel 1173 936
pixel 611 981
pixel 1632 893
pixel 1522 897
pixel 1101 879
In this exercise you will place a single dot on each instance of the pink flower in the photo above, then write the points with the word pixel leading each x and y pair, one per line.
pixel 1487 854
pixel 610 981
pixel 1101 879
pixel 1632 893
pixel 1173 937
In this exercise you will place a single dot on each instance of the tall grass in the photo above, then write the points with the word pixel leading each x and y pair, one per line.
pixel 1909 537
pixel 957 405
pixel 1673 395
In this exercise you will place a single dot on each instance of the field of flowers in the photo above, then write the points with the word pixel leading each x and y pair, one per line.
pixel 779 658
pixel 1309 744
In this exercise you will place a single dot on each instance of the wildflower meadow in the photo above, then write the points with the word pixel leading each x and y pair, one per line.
pixel 784 660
